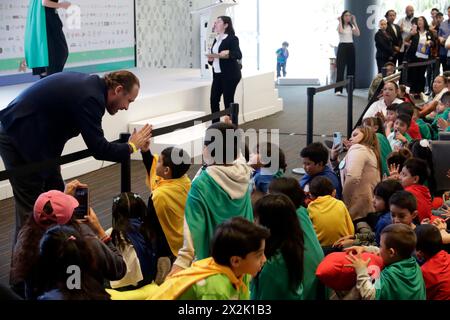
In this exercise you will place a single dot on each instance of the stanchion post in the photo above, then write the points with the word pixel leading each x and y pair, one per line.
pixel 125 167
pixel 310 115
pixel 405 72
pixel 350 88
pixel 234 113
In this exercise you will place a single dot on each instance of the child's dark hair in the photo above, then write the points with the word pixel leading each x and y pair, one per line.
pixel 405 118
pixel 417 167
pixel 406 108
pixel 60 247
pixel 375 121
pixel 291 188
pixel 424 153
pixel 321 186
pixel 401 238
pixel 429 239
pixel 268 149
pixel 399 157
pixel 392 107
pixel 223 142
pixel 126 206
pixel 404 200
pixel 236 237
pixel 316 152
pixel 278 213
pixel 182 158
pixel 386 189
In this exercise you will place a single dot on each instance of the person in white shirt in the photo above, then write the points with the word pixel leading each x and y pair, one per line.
pixel 390 93
pixel 346 50
pixel 405 24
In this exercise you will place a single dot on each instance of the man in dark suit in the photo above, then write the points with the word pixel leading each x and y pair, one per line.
pixel 396 35
pixel 36 125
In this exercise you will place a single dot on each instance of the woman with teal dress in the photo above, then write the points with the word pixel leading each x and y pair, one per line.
pixel 46 48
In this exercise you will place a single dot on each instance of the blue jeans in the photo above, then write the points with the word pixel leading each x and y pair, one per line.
pixel 281 65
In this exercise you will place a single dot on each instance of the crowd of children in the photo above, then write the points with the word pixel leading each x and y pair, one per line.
pixel 243 230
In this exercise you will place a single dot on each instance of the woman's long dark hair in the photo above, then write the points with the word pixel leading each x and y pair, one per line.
pixel 229 30
pixel 278 213
pixel 426 27
pixel 128 206
pixel 60 248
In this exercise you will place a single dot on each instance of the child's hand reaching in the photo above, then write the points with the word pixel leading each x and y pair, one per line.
pixel 357 262
pixel 146 146
pixel 394 171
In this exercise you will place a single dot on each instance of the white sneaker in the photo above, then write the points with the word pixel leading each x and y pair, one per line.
pixel 340 94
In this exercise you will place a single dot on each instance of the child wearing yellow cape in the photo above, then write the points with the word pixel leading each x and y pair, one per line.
pixel 237 250
pixel 169 186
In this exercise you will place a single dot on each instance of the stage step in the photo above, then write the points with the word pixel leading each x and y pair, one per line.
pixel 190 139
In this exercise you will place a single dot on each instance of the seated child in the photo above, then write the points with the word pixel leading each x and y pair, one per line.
pixel 220 192
pixel 315 162
pixel 329 216
pixel 378 220
pixel 421 149
pixel 425 128
pixel 413 130
pixel 403 206
pixel 401 278
pixel 399 137
pixel 272 164
pixel 395 162
pixel 237 250
pixel 413 176
pixel 391 116
pixel 169 186
pixel 436 269
pixel 313 253
pixel 132 234
pixel 61 247
pixel 281 278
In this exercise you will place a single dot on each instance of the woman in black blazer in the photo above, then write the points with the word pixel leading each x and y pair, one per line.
pixel 224 57
pixel 385 49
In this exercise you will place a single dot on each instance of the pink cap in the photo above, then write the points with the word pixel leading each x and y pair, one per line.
pixel 61 208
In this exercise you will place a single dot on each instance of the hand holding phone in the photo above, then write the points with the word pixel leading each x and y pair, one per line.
pixel 82 195
pixel 337 140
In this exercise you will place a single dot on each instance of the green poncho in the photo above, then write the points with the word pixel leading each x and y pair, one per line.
pixel 313 255
pixel 208 205
pixel 401 281
pixel 385 150
pixel 273 282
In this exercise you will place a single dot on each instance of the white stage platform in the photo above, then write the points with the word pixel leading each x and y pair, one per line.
pixel 163 92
